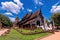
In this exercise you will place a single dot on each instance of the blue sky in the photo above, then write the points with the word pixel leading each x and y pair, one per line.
pixel 13 8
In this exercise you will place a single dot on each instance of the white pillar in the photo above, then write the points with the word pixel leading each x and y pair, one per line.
pixel 44 25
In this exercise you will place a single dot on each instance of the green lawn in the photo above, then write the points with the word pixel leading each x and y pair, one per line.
pixel 30 31
pixel 14 35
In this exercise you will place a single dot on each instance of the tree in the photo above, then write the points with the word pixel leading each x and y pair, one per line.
pixel 5 21
pixel 56 18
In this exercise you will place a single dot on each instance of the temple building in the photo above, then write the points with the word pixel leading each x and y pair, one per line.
pixel 32 20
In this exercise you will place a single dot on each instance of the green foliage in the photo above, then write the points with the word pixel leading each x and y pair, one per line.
pixel 5 20
pixel 56 18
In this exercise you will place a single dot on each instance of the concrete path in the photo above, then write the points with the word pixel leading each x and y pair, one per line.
pixel 55 36
pixel 2 31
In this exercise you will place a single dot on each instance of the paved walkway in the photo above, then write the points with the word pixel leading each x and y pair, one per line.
pixel 2 31
pixel 55 36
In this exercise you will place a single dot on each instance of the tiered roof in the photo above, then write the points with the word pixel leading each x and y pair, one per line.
pixel 30 17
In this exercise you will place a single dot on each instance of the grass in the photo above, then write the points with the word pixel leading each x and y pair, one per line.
pixel 29 31
pixel 14 35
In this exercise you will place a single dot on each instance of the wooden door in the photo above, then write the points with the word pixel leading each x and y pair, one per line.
pixel 33 26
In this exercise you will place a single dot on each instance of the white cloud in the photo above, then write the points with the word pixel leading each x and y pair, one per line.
pixel 22 8
pixel 18 2
pixel 12 7
pixel 29 10
pixel 38 2
pixel 35 7
pixel 8 13
pixel 55 8
pixel 12 19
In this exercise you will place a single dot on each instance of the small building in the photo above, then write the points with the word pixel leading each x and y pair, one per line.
pixel 32 20
pixel 16 21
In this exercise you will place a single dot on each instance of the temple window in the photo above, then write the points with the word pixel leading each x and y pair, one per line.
pixel 38 23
